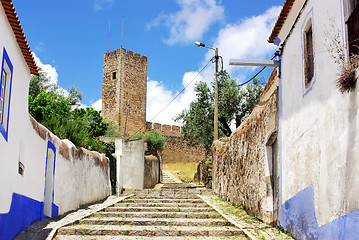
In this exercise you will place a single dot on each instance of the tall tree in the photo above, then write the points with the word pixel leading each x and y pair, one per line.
pixel 59 112
pixel 234 104
pixel 41 83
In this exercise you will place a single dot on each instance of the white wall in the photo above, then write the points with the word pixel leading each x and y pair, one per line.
pixel 319 142
pixel 133 164
pixel 80 176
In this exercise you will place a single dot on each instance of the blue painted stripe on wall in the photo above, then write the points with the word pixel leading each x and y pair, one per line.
pixel 54 210
pixel 345 227
pixel 297 216
pixel 23 212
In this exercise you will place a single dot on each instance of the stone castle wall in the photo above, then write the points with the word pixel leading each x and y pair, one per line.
pixel 176 150
pixel 124 90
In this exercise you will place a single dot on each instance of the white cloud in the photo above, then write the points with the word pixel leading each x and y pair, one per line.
pixel 49 70
pixel 51 74
pixel 246 40
pixel 97 105
pixel 191 22
pixel 99 5
pixel 158 97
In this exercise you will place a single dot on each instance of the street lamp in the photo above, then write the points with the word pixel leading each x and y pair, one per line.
pixel 215 133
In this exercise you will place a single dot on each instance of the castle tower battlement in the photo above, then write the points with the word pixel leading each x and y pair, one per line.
pixel 124 90
pixel 164 129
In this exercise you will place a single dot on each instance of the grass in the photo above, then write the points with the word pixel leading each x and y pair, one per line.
pixel 184 171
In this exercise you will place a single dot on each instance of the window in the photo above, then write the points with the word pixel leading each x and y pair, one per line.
pixel 114 75
pixel 5 93
pixel 352 21
pixel 308 56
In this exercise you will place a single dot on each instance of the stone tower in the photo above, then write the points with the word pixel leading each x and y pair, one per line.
pixel 124 90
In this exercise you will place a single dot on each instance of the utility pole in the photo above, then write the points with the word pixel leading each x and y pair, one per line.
pixel 215 134
pixel 215 127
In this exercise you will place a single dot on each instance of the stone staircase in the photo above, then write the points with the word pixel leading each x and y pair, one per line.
pixel 172 212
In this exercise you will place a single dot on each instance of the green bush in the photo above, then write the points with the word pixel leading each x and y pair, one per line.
pixel 137 136
pixel 83 127
pixel 155 140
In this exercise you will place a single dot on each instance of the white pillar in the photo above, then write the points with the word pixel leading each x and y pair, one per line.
pixel 119 174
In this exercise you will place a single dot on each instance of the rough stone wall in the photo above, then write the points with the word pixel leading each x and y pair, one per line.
pixel 124 90
pixel 204 173
pixel 242 167
pixel 176 150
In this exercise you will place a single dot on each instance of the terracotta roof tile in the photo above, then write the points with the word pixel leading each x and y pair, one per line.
pixel 19 34
pixel 281 19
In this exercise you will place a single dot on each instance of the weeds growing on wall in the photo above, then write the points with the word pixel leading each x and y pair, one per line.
pixel 347 79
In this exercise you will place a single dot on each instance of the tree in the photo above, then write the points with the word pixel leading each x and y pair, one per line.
pixel 41 83
pixel 58 111
pixel 234 104
pixel 198 119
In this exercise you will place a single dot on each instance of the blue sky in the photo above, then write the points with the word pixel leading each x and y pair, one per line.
pixel 69 39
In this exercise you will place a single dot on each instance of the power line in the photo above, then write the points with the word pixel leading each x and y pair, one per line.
pixel 240 85
pixel 173 98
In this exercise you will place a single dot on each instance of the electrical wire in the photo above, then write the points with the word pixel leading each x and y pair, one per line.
pixel 174 97
pixel 244 83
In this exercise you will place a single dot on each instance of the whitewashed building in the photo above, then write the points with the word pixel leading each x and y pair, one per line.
pixel 41 176
pixel 318 125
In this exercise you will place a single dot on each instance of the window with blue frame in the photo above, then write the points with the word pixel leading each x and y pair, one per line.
pixel 308 55
pixel 5 93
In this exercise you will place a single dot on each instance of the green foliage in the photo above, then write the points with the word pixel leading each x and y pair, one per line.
pixel 249 98
pixel 67 128
pixel 155 140
pixel 75 96
pixel 137 136
pixel 198 119
pixel 41 83
pixel 53 109
pixel 46 105
pixel 234 103
pixel 111 130
pixel 93 121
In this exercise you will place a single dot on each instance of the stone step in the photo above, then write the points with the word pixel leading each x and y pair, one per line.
pixel 113 237
pixel 155 221
pixel 174 184
pixel 159 214
pixel 168 191
pixel 164 200
pixel 149 230
pixel 182 196
pixel 157 209
pixel 161 204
